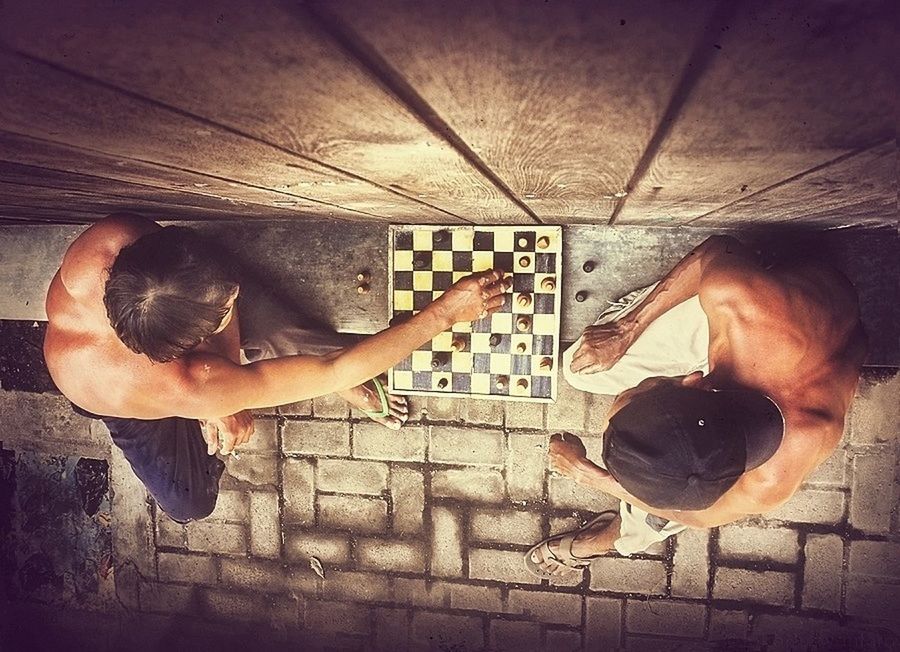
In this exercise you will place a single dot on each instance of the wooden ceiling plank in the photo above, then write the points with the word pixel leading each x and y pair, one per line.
pixel 559 99
pixel 42 102
pixel 271 74
pixel 857 189
pixel 790 87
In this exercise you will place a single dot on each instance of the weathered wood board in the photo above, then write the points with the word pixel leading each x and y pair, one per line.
pixel 269 73
pixel 559 99
pixel 856 190
pixel 789 87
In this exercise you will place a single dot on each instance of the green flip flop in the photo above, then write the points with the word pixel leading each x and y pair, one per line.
pixel 382 396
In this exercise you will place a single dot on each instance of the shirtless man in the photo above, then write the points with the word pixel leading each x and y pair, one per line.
pixel 732 385
pixel 145 329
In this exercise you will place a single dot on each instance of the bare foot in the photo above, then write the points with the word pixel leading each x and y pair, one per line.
pixel 593 541
pixel 365 397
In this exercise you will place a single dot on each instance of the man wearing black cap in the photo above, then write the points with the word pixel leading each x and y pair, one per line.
pixel 732 383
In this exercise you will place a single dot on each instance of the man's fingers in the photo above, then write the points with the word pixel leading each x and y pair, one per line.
pixel 211 435
pixel 494 303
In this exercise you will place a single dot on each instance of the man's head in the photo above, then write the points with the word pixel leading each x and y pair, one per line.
pixel 168 291
pixel 674 443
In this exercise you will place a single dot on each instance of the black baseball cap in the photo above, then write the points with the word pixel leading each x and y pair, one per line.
pixel 677 447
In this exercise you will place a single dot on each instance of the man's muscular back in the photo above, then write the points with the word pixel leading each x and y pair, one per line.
pixel 86 359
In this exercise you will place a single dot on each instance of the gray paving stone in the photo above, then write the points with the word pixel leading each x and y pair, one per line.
pixel 525 415
pixel 504 526
pixel 391 629
pixel 625 575
pixel 873 601
pixel 879 559
pixel 327 548
pixel 665 618
pixel 390 555
pixel 483 412
pixel 254 470
pixel 875 413
pixel 264 439
pixel 47 423
pixel 812 506
pixel 472 484
pixel 742 541
pixel 873 491
pixel 351 476
pixel 353 586
pixel 299 490
pixel 514 635
pixel 196 569
pixel 475 446
pixel 546 606
pixel 465 596
pixel 562 640
pixel 499 565
pixel 526 465
pixel 603 623
pixel 446 543
pixel 374 441
pixel 567 494
pixel 788 633
pixel 445 631
pixel 690 568
pixel 217 538
pixel 265 527
pixel 166 598
pixel 337 617
pixel 353 513
pixel 408 498
pixel 569 411
pixel 822 572
pixel 316 438
pixel 231 506
pixel 764 587
pixel 444 408
pixel 267 576
pixel 727 624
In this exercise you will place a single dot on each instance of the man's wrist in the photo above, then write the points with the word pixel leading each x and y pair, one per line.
pixel 442 319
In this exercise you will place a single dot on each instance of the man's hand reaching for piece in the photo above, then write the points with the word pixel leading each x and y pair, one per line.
pixel 601 347
pixel 568 457
pixel 234 431
pixel 473 297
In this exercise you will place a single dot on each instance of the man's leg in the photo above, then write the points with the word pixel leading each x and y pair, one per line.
pixel 633 530
pixel 269 330
pixel 675 344
pixel 169 456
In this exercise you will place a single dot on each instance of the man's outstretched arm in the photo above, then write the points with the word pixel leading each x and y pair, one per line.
pixel 215 385
pixel 604 345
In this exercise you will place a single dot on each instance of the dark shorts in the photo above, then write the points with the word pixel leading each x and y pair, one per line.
pixel 169 457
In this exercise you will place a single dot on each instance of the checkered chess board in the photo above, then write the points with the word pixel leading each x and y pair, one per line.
pixel 511 354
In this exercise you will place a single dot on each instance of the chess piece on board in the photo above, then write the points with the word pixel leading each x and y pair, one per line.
pixel 543 242
pixel 548 284
pixel 523 323
pixel 546 364
pixel 442 383
pixel 439 360
pixel 502 382
pixel 524 299
pixel 495 340
pixel 581 296
pixel 459 344
pixel 522 383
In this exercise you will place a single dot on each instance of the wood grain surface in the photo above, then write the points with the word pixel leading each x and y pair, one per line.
pixel 559 99
pixel 790 86
pixel 39 100
pixel 860 188
pixel 267 72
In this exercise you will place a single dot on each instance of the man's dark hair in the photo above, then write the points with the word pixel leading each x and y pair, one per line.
pixel 167 292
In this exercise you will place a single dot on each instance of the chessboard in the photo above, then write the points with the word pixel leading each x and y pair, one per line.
pixel 511 354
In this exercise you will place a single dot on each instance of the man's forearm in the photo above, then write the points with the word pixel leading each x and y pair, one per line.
pixel 288 379
pixel 680 284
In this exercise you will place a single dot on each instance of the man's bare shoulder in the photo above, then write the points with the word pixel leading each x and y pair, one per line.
pixel 92 252
pixel 810 438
